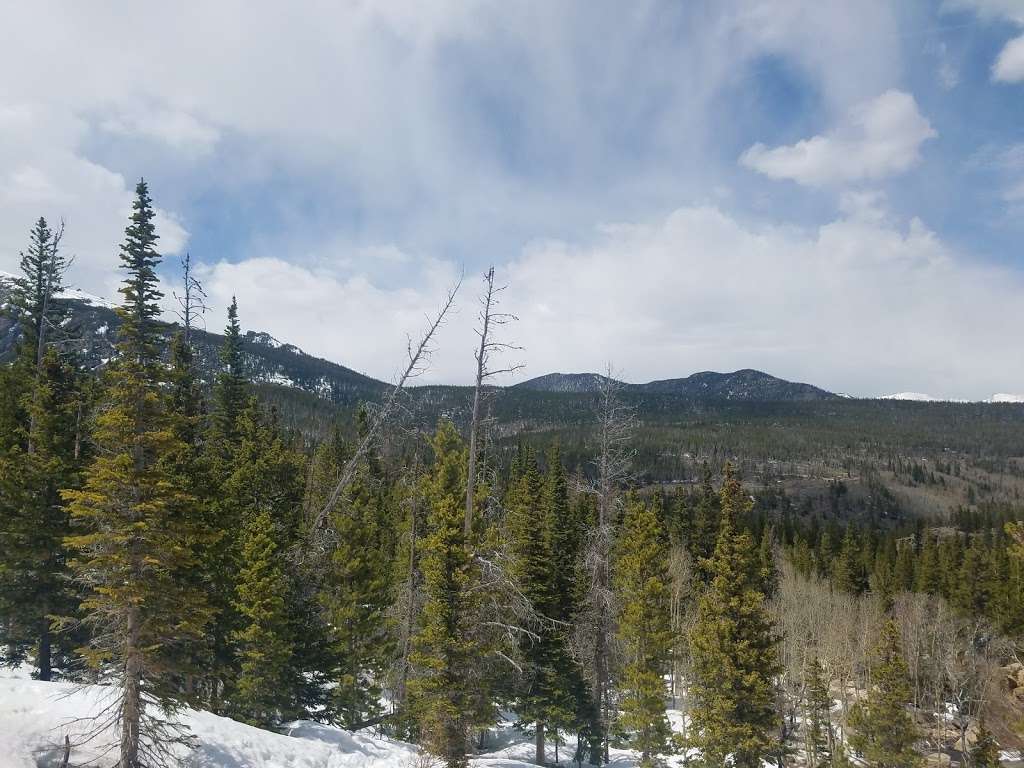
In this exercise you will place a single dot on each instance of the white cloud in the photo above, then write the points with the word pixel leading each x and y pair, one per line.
pixel 1009 66
pixel 877 139
pixel 864 304
pixel 42 173
pixel 1010 10
pixel 175 128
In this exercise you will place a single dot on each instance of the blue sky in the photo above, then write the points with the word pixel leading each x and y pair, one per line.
pixel 831 192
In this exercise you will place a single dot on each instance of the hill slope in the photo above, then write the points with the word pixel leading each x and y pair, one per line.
pixel 746 385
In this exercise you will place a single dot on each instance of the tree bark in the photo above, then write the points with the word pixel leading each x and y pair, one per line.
pixel 539 743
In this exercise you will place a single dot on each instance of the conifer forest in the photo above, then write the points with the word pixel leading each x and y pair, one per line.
pixel 512 384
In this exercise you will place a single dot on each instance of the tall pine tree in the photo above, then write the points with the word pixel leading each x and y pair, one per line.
pixel 644 632
pixel 733 648
pixel 131 547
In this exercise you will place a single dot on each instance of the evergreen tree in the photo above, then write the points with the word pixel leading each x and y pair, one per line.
pixel 883 731
pixel 231 388
pixel 131 545
pixel 442 694
pixel 264 492
pixel 705 524
pixel 263 692
pixel 733 649
pixel 641 583
pixel 357 590
pixel 848 572
pixel 223 554
pixel 35 585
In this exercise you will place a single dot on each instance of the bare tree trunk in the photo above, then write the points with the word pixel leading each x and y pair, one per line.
pixel 539 743
pixel 131 708
pixel 488 318
pixel 417 361
pixel 44 656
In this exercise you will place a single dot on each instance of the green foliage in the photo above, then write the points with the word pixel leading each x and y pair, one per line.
pixel 641 583
pixel 130 543
pixel 733 649
pixel 882 730
pixel 356 593
pixel 445 704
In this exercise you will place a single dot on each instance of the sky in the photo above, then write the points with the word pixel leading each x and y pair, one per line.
pixel 832 192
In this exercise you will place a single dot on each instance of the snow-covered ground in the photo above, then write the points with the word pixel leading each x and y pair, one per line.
pixel 35 717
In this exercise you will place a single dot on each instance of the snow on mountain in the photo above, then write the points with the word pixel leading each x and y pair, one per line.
pixel 1003 397
pixel 918 396
pixel 74 294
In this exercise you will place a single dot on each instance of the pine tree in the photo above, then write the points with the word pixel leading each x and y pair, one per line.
pixel 441 694
pixel 35 585
pixel 131 546
pixel 223 554
pixel 641 583
pixel 264 492
pixel 733 649
pixel 848 572
pixel 231 388
pixel 263 691
pixel 43 267
pixel 40 453
pixel 704 531
pixel 882 730
pixel 357 589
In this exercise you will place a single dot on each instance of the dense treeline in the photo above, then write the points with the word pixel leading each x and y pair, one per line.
pixel 179 543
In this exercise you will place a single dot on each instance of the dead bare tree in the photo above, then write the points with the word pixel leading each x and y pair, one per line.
pixel 192 301
pixel 616 424
pixel 489 320
pixel 418 359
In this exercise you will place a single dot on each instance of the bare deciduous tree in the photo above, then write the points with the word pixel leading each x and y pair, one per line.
pixel 490 319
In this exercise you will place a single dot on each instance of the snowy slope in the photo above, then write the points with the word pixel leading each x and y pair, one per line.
pixel 35 717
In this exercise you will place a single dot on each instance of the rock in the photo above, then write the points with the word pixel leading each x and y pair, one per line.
pixel 1018 693
pixel 940 760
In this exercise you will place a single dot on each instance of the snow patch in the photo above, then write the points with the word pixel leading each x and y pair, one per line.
pixel 74 294
pixel 916 396
pixel 1003 397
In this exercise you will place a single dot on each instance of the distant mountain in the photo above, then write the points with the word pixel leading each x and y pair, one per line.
pixel 743 385
pixel 746 385
pixel 566 382
pixel 94 323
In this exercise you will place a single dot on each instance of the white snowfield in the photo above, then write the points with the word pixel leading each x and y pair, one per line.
pixel 36 716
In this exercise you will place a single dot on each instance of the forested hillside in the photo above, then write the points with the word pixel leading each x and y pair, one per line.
pixel 196 522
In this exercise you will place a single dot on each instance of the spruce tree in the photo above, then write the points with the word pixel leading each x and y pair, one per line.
pixel 131 546
pixel 222 558
pixel 264 492
pixel 357 589
pixel 231 386
pixel 644 632
pixel 442 696
pixel 35 585
pixel 733 649
pixel 882 730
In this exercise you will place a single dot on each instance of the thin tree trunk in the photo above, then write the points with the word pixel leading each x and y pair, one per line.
pixel 539 743
pixel 44 658
pixel 131 711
